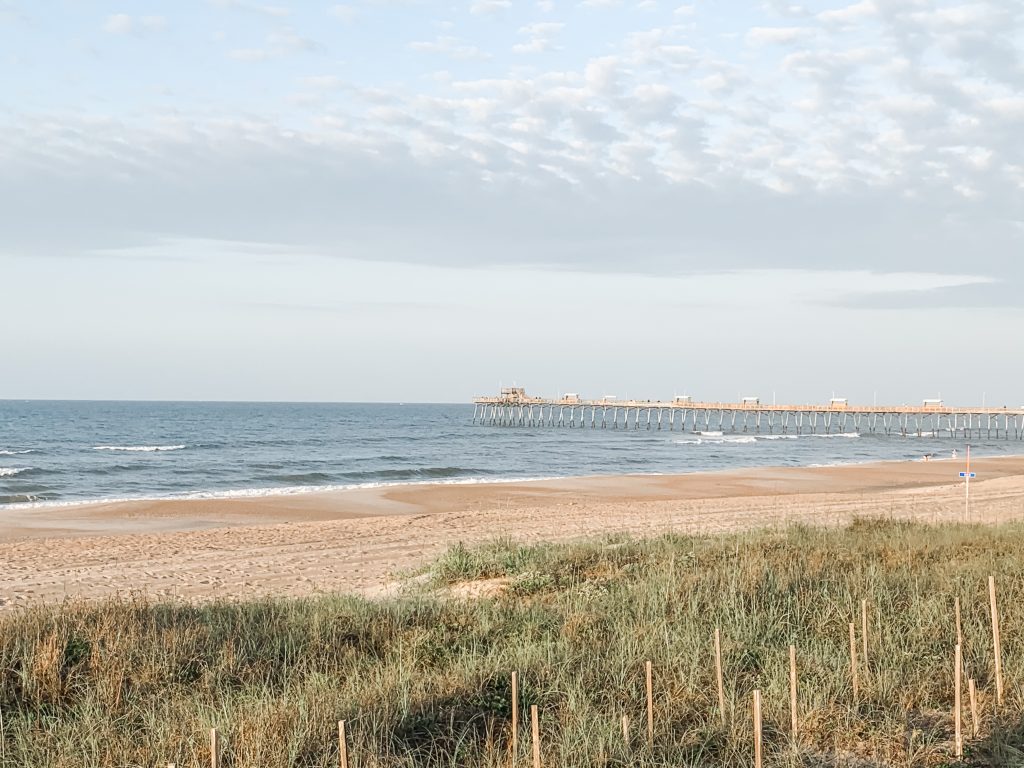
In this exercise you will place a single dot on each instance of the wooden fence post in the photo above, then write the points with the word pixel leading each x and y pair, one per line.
pixel 853 661
pixel 342 745
pixel 995 640
pixel 648 673
pixel 214 748
pixel 515 712
pixel 957 706
pixel 792 690
pixel 718 675
pixel 757 729
pixel 959 631
pixel 535 724
pixel 974 707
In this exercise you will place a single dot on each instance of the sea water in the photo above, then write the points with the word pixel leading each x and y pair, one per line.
pixel 68 452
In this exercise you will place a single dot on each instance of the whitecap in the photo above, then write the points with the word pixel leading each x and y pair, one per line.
pixel 16 453
pixel 720 440
pixel 12 471
pixel 138 448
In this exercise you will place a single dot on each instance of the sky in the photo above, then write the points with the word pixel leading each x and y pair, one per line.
pixel 392 200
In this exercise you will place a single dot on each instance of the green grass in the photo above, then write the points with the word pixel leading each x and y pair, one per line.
pixel 424 680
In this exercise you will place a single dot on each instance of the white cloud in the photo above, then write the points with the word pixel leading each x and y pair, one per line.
pixel 323 82
pixel 279 43
pixel 1007 106
pixel 250 54
pixel 777 35
pixel 896 122
pixel 452 47
pixel 540 37
pixel 346 13
pixel 483 7
pixel 276 11
pixel 851 14
pixel 123 24
pixel 972 15
pixel 118 24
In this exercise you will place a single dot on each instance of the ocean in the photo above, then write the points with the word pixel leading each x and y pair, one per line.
pixel 71 452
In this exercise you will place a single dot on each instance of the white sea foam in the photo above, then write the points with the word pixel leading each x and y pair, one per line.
pixel 713 438
pixel 248 493
pixel 16 453
pixel 721 439
pixel 138 448
pixel 12 471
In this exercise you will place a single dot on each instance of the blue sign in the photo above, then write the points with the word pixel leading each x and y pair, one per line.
pixel 968 474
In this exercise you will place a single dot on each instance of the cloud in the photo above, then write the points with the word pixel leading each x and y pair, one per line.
pixel 123 24
pixel 777 35
pixel 851 14
pixel 323 82
pixel 472 200
pixel 275 11
pixel 970 294
pixel 118 24
pixel 346 13
pixel 277 44
pixel 540 37
pixel 888 146
pixel 484 7
pixel 447 45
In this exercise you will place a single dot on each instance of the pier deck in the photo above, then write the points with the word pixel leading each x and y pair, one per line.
pixel 514 408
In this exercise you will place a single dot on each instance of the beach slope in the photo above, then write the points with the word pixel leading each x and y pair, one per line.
pixel 358 540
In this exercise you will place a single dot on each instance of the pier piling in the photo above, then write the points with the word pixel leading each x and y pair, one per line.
pixel 514 408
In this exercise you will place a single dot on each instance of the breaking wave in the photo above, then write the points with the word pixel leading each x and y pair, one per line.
pixel 139 448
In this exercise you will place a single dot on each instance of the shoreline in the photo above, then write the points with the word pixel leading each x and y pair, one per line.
pixel 285 492
pixel 356 541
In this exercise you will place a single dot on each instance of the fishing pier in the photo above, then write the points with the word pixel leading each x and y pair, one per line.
pixel 514 408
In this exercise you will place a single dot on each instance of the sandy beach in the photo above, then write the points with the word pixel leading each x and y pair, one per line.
pixel 359 540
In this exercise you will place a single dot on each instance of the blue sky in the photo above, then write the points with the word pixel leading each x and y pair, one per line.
pixel 394 200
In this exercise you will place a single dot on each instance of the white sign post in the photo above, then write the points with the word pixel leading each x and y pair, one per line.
pixel 967 486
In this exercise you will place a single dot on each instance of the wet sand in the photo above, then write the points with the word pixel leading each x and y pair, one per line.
pixel 358 540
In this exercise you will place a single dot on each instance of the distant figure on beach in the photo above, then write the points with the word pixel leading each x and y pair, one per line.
pixel 954 453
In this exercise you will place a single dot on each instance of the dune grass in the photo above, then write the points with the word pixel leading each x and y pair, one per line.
pixel 423 680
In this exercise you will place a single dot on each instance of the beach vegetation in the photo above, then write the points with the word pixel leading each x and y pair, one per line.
pixel 423 679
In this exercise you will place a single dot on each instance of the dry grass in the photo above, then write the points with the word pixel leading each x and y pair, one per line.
pixel 424 681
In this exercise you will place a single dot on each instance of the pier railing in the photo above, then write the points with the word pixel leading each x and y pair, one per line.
pixel 750 417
